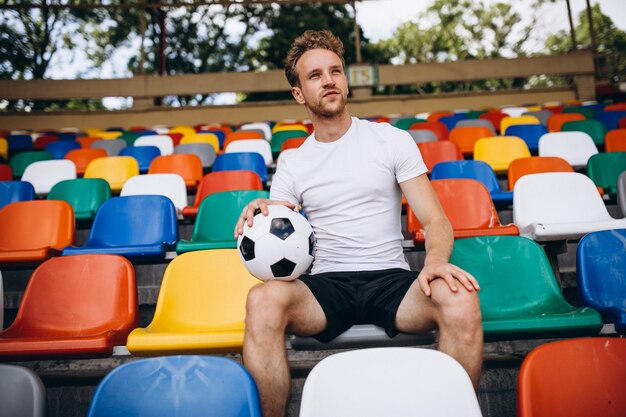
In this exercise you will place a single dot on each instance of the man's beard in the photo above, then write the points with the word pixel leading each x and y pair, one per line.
pixel 326 112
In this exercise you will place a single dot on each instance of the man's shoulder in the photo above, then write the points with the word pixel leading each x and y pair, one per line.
pixel 382 130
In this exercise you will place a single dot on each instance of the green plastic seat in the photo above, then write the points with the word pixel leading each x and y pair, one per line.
pixel 588 112
pixel 20 161
pixel 604 169
pixel 129 138
pixel 519 295
pixel 216 220
pixel 279 137
pixel 593 128
pixel 85 195
pixel 406 122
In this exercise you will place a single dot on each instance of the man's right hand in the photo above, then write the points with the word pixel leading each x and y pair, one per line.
pixel 247 215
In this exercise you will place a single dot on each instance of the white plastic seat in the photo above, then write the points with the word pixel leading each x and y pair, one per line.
pixel 388 382
pixel 43 175
pixel 260 146
pixel 22 394
pixel 264 127
pixel 558 206
pixel 621 193
pixel 171 186
pixel 575 147
pixel 163 142
pixel 514 111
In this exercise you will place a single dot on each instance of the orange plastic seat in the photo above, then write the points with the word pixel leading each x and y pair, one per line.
pixel 535 165
pixel 469 208
pixel 82 157
pixel 187 166
pixel 216 182
pixel 465 137
pixel 86 141
pixel 615 141
pixel 74 306
pixel 292 143
pixel 438 128
pixel 434 152
pixel 616 106
pixel 242 135
pixel 436 115
pixel 33 231
pixel 556 121
pixel 574 378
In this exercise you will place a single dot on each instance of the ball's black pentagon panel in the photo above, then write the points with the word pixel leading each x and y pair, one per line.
pixel 283 268
pixel 247 248
pixel 311 243
pixel 281 227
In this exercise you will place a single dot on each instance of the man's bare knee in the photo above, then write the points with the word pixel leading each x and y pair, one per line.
pixel 266 308
pixel 460 311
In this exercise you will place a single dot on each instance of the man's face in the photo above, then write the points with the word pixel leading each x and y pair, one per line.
pixel 323 83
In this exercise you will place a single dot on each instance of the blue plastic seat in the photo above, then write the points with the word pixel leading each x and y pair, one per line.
pixel 19 142
pixel 610 118
pixel 139 227
pixel 11 191
pixel 451 121
pixel 476 170
pixel 529 134
pixel 143 154
pixel 190 386
pixel 601 269
pixel 59 148
pixel 139 133
pixel 249 161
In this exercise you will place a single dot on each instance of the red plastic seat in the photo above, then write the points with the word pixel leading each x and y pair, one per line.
pixel 495 117
pixel 33 231
pixel 86 141
pixel 469 208
pixel 41 142
pixel 435 152
pixel 74 306
pixel 242 135
pixel 6 173
pixel 574 378
pixel 82 157
pixel 220 181
pixel 188 166
pixel 439 129
pixel 292 143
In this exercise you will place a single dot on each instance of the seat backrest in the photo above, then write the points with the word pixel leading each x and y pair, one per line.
pixel 513 111
pixel 42 141
pixel 116 170
pixel 1 303
pixel 260 146
pixel 281 136
pixel 134 221
pixel 495 117
pixel 85 195
pixel 477 170
pixel 536 165
pixel 611 118
pixel 541 115
pixel 556 121
pixel 242 135
pixel 22 394
pixel 112 146
pixel 451 120
pixel 207 138
pixel 615 141
pixel 20 161
pixel 436 115
pixel 4 148
pixel 405 122
pixel 574 378
pixel 190 386
pixel 171 186
pixel 466 137
pixel 6 173
pixel 82 157
pixel 262 126
pixel 440 151
pixel 390 381
pixel 605 168
pixel 100 289
pixel 204 151
pixel 594 128
pixel 188 166
pixel 621 193
pixel 517 120
pixel 220 181
pixel 477 122
pixel 439 129
pixel 423 135
pixel 292 143
pixel 163 142
pixel 500 151
pixel 19 142
pixel 12 191
pixel 59 148
pixel 587 111
pixel 557 197
pixel 143 154
pixel 45 174
pixel 528 133
pixel 249 161
pixel 575 147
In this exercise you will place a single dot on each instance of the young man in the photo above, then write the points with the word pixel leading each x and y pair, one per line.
pixel 349 176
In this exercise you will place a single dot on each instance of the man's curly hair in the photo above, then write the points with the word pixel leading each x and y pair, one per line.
pixel 311 39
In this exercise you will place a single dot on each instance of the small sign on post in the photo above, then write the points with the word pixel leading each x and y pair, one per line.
pixel 362 75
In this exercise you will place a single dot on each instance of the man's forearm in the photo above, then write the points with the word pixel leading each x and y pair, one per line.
pixel 439 241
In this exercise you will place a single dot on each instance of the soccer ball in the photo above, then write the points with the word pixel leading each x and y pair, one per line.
pixel 277 246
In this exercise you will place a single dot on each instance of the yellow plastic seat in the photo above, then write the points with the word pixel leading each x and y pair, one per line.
pixel 290 126
pixel 520 120
pixel 201 306
pixel 109 135
pixel 209 138
pixel 500 151
pixel 4 148
pixel 185 130
pixel 114 169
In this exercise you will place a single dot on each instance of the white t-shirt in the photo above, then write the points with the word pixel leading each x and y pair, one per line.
pixel 349 191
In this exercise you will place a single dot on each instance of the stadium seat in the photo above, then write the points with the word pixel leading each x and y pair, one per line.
pixel 440 151
pixel 221 135
pixel 594 128
pixel 112 146
pixel 1 303
pixel 436 115
pixel 541 115
pixel 242 135
pixel 513 111
pixel 208 138
pixel 22 394
pixel 621 194
pixel 75 306
pixel 605 168
pixel 171 186
pixel 495 117
pixel 405 123
pixel 440 130
pixel 611 118
pixel 466 137
pixel 4 149
pixel 220 181
pixel 163 142
pixel 143 154
pixel 33 231
pixel 528 133
pixel 262 126
pixel 477 170
pixel 423 135
pixel 615 141
pixel 60 148
pixel 204 151
pixel 587 111
pixel 19 143
pixel 249 161
pixel 45 174
pixel 451 120
pixel 477 122
pixel 574 378
pixel 500 151
pixel 556 121
pixel 469 208
pixel 183 129
pixel 575 147
pixel 82 157
pixel 86 141
pixel 190 386
pixel 85 195
pixel 260 146
pixel 116 170
pixel 519 296
pixel 518 120
pixel 388 382
pixel 292 143
pixel 12 191
pixel 20 161
pixel 559 206
pixel 281 136
pixel 140 227
pixel 188 166
pixel 41 142
pixel 201 307
pixel 601 273
pixel 536 165
pixel 216 220
pixel 279 127
pixel 6 173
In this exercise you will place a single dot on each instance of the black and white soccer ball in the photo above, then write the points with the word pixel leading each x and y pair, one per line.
pixel 279 246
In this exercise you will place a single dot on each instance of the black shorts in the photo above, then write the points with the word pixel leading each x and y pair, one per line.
pixel 365 297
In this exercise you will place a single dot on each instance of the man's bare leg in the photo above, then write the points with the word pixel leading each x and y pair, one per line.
pixel 456 315
pixel 273 308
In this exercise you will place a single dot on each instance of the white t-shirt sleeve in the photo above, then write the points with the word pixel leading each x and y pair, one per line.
pixel 282 188
pixel 407 159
